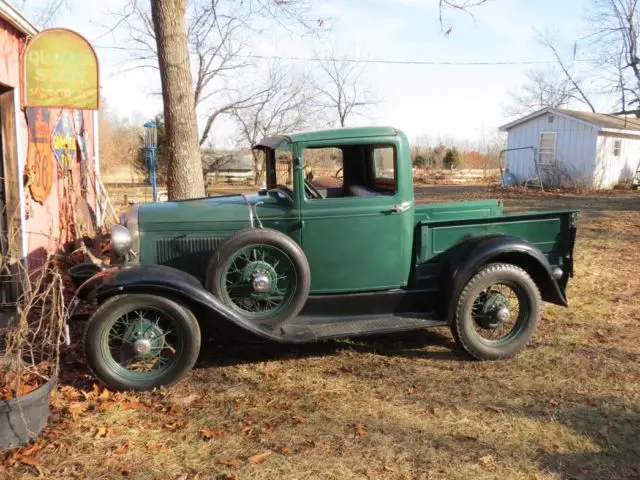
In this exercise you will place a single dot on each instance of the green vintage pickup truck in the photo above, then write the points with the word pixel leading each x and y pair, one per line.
pixel 310 259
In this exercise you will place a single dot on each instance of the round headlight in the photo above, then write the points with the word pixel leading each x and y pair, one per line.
pixel 121 239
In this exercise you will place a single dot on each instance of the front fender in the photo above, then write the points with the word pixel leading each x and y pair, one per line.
pixel 166 281
pixel 468 257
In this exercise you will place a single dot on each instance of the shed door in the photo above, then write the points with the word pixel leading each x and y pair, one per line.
pixel 547 148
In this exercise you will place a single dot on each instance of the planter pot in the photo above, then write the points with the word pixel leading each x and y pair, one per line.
pixel 23 418
pixel 83 271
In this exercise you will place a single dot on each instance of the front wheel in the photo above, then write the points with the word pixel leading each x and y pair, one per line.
pixel 497 312
pixel 140 342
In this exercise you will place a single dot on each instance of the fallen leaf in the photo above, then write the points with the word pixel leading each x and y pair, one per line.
pixel 102 432
pixel 121 448
pixel 209 433
pixel 285 450
pixel 32 463
pixel 104 395
pixel 496 409
pixel 184 476
pixel 300 419
pixel 259 458
pixel 188 400
pixel 361 430
pixel 77 409
pixel 125 470
pixel 486 460
pixel 229 462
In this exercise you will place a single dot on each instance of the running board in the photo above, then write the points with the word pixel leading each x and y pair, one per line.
pixel 379 324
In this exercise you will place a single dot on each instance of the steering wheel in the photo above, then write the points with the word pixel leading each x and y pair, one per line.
pixel 337 172
pixel 286 191
pixel 311 189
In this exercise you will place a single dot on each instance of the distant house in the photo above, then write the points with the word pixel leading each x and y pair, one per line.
pixel 227 167
pixel 594 150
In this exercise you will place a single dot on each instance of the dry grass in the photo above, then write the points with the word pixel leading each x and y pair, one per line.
pixel 400 407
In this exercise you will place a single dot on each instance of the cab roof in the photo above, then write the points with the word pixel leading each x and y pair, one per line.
pixel 326 134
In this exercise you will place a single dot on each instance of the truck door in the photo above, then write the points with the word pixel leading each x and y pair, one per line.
pixel 358 237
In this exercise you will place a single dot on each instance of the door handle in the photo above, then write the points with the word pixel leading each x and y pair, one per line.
pixel 401 207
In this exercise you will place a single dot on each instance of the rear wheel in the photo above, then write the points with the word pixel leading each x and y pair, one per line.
pixel 140 342
pixel 497 312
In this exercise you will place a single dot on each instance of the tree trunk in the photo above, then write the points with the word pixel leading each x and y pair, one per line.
pixel 185 179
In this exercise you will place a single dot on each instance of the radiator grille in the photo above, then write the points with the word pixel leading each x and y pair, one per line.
pixel 186 253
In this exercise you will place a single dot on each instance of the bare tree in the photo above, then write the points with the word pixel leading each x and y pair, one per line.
pixel 217 33
pixel 46 12
pixel 185 171
pixel 457 5
pixel 615 32
pixel 283 105
pixel 544 88
pixel 340 89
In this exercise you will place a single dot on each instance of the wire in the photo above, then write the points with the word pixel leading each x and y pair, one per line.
pixel 397 62
pixel 355 60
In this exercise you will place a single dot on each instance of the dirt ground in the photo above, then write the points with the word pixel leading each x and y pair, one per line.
pixel 407 406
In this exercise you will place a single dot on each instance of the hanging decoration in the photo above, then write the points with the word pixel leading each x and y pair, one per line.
pixel 39 167
pixel 63 142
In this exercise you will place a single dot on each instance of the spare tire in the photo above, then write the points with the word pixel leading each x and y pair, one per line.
pixel 260 273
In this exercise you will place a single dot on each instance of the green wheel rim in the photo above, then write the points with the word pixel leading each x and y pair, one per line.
pixel 142 344
pixel 259 262
pixel 489 326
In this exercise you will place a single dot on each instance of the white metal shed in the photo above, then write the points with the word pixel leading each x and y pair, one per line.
pixel 593 150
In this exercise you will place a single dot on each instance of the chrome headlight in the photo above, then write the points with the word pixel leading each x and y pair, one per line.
pixel 130 221
pixel 121 239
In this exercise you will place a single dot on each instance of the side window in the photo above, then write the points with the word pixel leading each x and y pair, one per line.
pixel 384 169
pixel 323 168
pixel 284 167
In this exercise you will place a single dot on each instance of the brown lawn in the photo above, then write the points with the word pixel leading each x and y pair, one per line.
pixel 402 407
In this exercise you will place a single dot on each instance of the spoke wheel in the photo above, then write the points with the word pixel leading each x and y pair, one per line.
pixel 141 341
pixel 260 274
pixel 259 280
pixel 497 312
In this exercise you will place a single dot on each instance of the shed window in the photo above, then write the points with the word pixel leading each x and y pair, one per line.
pixel 617 147
pixel 547 148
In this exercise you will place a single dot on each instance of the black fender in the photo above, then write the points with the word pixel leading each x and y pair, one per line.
pixel 168 282
pixel 469 256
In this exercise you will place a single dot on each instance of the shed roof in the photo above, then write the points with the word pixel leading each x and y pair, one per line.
pixel 600 120
pixel 16 19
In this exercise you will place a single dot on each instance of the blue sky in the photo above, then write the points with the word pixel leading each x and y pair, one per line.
pixel 438 101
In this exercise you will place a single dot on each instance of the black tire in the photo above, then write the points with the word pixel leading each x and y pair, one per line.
pixel 100 324
pixel 464 324
pixel 259 237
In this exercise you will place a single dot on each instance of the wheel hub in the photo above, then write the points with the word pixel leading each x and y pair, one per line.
pixel 495 311
pixel 144 336
pixel 261 276
pixel 142 347
pixel 261 283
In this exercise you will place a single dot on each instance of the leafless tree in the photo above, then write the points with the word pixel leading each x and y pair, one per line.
pixel 46 12
pixel 546 87
pixel 185 172
pixel 341 89
pixel 457 5
pixel 283 105
pixel 615 30
pixel 217 32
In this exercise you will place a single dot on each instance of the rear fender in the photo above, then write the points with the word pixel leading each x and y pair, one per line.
pixel 168 282
pixel 470 256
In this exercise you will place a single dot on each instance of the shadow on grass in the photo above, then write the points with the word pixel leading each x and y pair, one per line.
pixel 406 344
pixel 612 424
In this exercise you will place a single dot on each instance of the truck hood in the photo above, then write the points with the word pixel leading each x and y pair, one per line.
pixel 225 208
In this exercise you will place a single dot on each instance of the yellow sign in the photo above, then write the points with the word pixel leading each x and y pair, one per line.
pixel 61 70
